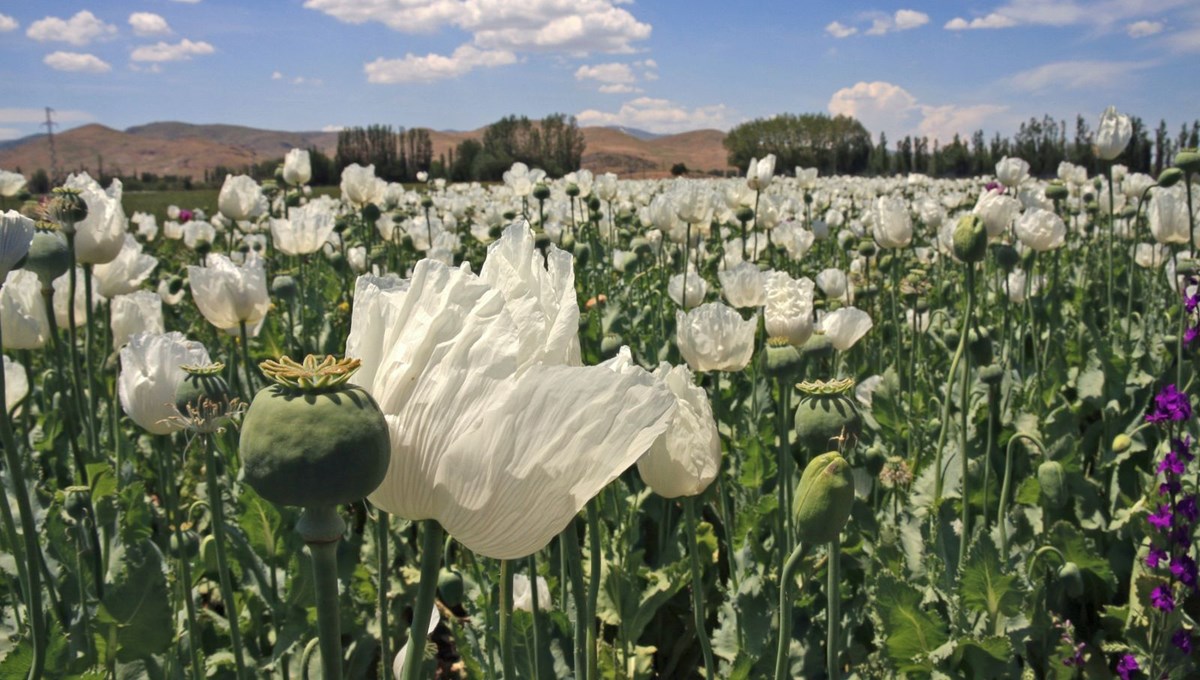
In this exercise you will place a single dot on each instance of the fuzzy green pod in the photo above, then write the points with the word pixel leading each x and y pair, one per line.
pixel 1053 481
pixel 827 414
pixel 610 344
pixel 185 544
pixel 450 587
pixel 311 439
pixel 1121 443
pixel 1056 190
pixel 1169 177
pixel 970 239
pixel 48 256
pixel 824 498
pixel 1188 160
pixel 208 554
pixel 1071 578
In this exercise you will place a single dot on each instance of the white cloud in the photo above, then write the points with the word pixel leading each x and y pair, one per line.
pixel 619 88
pixel 607 73
pixel 993 20
pixel 76 61
pixel 8 116
pixel 434 67
pixel 333 128
pixel 276 75
pixel 163 51
pixel 1076 75
pixel 187 2
pixel 567 26
pixel 8 23
pixel 909 18
pixel 146 24
pixel 882 106
pixel 79 30
pixel 1099 13
pixel 1184 41
pixel 660 115
pixel 839 30
pixel 1141 29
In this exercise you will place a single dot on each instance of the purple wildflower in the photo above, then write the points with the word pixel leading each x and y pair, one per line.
pixel 1127 666
pixel 1183 640
pixel 1183 568
pixel 1155 557
pixel 1171 464
pixel 1170 404
pixel 1187 507
pixel 1161 599
pixel 1161 518
pixel 1169 487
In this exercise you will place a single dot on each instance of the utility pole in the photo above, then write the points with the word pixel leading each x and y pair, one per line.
pixel 50 138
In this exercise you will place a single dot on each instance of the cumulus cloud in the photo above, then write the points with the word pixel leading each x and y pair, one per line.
pixel 147 24
pixel 8 23
pixel 1141 29
pixel 79 30
pixel 163 51
pixel 434 67
pixel 660 115
pixel 333 128
pixel 76 61
pixel 618 78
pixel 1076 75
pixel 883 106
pixel 902 20
pixel 840 30
pixel 564 26
pixel 1098 13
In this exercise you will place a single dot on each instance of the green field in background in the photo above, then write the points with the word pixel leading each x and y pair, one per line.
pixel 156 202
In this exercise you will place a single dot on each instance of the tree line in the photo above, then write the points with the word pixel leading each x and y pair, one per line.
pixel 841 145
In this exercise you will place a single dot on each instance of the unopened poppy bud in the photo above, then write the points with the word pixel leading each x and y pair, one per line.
pixel 1053 481
pixel 970 239
pixel 991 374
pixel 824 499
pixel 611 344
pixel 1188 160
pixel 48 256
pixel 450 587
pixel 979 344
pixel 1121 443
pixel 1072 579
pixel 75 501
pixel 782 357
pixel 583 253
pixel 208 554
pixel 184 544
pixel 1169 177
pixel 284 287
pixel 370 212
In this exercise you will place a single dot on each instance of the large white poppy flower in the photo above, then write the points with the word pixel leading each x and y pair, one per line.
pixel 495 434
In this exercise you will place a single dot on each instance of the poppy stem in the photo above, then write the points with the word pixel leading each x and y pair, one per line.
pixel 833 609
pixel 217 508
pixel 698 609
pixel 382 531
pixel 506 606
pixel 785 610
pixel 431 562
pixel 570 545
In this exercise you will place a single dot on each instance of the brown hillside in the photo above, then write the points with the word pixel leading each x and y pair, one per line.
pixel 184 149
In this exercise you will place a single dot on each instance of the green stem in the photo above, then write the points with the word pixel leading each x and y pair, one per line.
pixel 431 562
pixel 782 654
pixel 506 606
pixel 1112 220
pixel 1004 487
pixel 246 360
pixel 569 542
pixel 217 507
pixel 593 595
pixel 185 560
pixel 321 528
pixel 698 609
pixel 958 355
pixel 964 412
pixel 32 578
pixel 833 610
pixel 382 523
pixel 535 652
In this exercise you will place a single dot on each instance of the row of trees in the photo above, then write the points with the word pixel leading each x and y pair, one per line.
pixel 841 145
pixel 398 155
pixel 554 144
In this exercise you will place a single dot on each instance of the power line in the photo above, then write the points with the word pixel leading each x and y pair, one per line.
pixel 50 138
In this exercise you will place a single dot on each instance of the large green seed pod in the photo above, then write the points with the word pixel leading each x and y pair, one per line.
pixel 48 256
pixel 827 415
pixel 311 439
pixel 1053 481
pixel 824 499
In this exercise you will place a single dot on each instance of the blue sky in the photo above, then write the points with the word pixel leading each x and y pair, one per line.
pixel 912 67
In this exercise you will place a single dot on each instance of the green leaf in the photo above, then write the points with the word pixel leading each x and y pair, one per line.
pixel 137 602
pixel 983 585
pixel 1078 549
pixel 1030 492
pixel 991 657
pixel 911 633
pixel 261 522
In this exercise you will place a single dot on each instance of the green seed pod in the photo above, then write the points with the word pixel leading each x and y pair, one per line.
pixel 567 243
pixel 312 439
pixel 284 287
pixel 827 414
pixel 991 374
pixel 1121 443
pixel 203 248
pixel 426 201
pixel 745 214
pixel 1072 579
pixel 185 544
pixel 970 239
pixel 208 554
pixel 979 344
pixel 48 256
pixel 824 498
pixel 541 240
pixel 593 203
pixel 1005 255
pixel 783 359
pixel 573 190
pixel 450 587
pixel 641 246
pixel 292 198
pixel 204 397
pixel 540 191
pixel 68 207
pixel 1056 190
pixel 371 213
pixel 75 501
pixel 817 346
pixel 874 458
pixel 1188 160
pixel 867 248
pixel 1053 481
pixel 1169 177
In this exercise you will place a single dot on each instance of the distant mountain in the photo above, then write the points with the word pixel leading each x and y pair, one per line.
pixel 634 132
pixel 186 149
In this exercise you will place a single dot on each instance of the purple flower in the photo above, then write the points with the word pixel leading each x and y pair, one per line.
pixel 1183 640
pixel 1161 518
pixel 1169 487
pixel 1161 598
pixel 1171 464
pixel 185 216
pixel 1155 557
pixel 1187 507
pixel 1169 404
pixel 1189 335
pixel 994 186
pixel 1127 666
pixel 1183 568
pixel 1183 448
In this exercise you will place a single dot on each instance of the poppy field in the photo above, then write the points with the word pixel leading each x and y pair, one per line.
pixel 779 425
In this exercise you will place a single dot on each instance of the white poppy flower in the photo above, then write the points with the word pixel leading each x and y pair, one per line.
pixel 845 327
pixel 227 294
pixel 139 312
pixel 714 337
pixel 150 374
pixel 127 272
pixel 789 307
